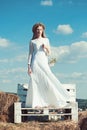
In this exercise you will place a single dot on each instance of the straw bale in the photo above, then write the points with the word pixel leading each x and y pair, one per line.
pixel 62 125
pixel 83 120
pixel 6 106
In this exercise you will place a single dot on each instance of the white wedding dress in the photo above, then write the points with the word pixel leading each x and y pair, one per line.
pixel 45 90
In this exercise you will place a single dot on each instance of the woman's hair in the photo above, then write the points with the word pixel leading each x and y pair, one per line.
pixel 35 26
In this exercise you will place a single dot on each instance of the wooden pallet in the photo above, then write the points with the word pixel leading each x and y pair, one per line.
pixel 51 114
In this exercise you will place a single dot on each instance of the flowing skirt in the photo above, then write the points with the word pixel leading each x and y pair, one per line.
pixel 45 90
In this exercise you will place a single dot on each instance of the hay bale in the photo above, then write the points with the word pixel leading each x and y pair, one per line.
pixel 7 106
pixel 33 125
pixel 83 120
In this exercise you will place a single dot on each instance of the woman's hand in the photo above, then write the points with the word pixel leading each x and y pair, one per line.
pixel 29 70
pixel 45 48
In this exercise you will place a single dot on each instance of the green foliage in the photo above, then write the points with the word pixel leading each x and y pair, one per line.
pixel 82 103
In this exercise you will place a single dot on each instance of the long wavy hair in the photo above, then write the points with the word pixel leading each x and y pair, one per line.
pixel 35 26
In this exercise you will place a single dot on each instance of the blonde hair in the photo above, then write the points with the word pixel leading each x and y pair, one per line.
pixel 35 27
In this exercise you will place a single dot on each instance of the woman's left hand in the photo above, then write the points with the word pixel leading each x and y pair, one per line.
pixel 43 46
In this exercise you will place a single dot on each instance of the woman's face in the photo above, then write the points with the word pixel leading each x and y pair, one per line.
pixel 39 31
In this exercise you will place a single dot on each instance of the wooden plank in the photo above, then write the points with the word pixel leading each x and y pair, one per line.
pixel 23 108
pixel 46 114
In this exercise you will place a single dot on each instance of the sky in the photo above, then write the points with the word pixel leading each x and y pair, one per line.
pixel 66 28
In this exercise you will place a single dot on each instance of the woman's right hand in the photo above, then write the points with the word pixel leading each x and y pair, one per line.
pixel 29 70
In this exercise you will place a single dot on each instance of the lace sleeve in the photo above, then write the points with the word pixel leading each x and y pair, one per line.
pixel 48 47
pixel 30 53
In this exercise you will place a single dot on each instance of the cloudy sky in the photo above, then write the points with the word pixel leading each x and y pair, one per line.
pixel 66 28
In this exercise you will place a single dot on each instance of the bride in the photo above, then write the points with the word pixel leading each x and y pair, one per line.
pixel 45 90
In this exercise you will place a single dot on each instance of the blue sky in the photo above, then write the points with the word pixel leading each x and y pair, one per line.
pixel 66 27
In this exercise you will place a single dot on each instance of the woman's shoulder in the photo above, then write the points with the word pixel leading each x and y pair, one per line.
pixel 31 41
pixel 46 38
pixel 35 40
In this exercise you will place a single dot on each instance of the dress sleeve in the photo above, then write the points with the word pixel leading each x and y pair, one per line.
pixel 30 53
pixel 48 47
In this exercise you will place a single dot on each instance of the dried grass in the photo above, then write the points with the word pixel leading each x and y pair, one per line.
pixel 83 120
pixel 62 125
pixel 7 106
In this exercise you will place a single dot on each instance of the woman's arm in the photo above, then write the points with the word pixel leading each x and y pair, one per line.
pixel 30 57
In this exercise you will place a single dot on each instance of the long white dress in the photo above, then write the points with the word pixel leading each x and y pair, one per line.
pixel 45 90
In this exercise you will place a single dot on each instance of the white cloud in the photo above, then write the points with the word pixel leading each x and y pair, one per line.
pixel 79 49
pixel 46 2
pixel 13 71
pixel 4 42
pixel 6 81
pixel 4 60
pixel 77 75
pixel 64 29
pixel 59 52
pixel 70 54
pixel 72 76
pixel 19 58
pixel 84 35
pixel 16 70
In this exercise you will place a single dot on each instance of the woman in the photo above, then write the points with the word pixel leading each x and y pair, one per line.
pixel 45 90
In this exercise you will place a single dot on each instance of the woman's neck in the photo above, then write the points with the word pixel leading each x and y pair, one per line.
pixel 39 37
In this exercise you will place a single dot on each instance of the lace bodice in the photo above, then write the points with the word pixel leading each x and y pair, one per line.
pixel 36 45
